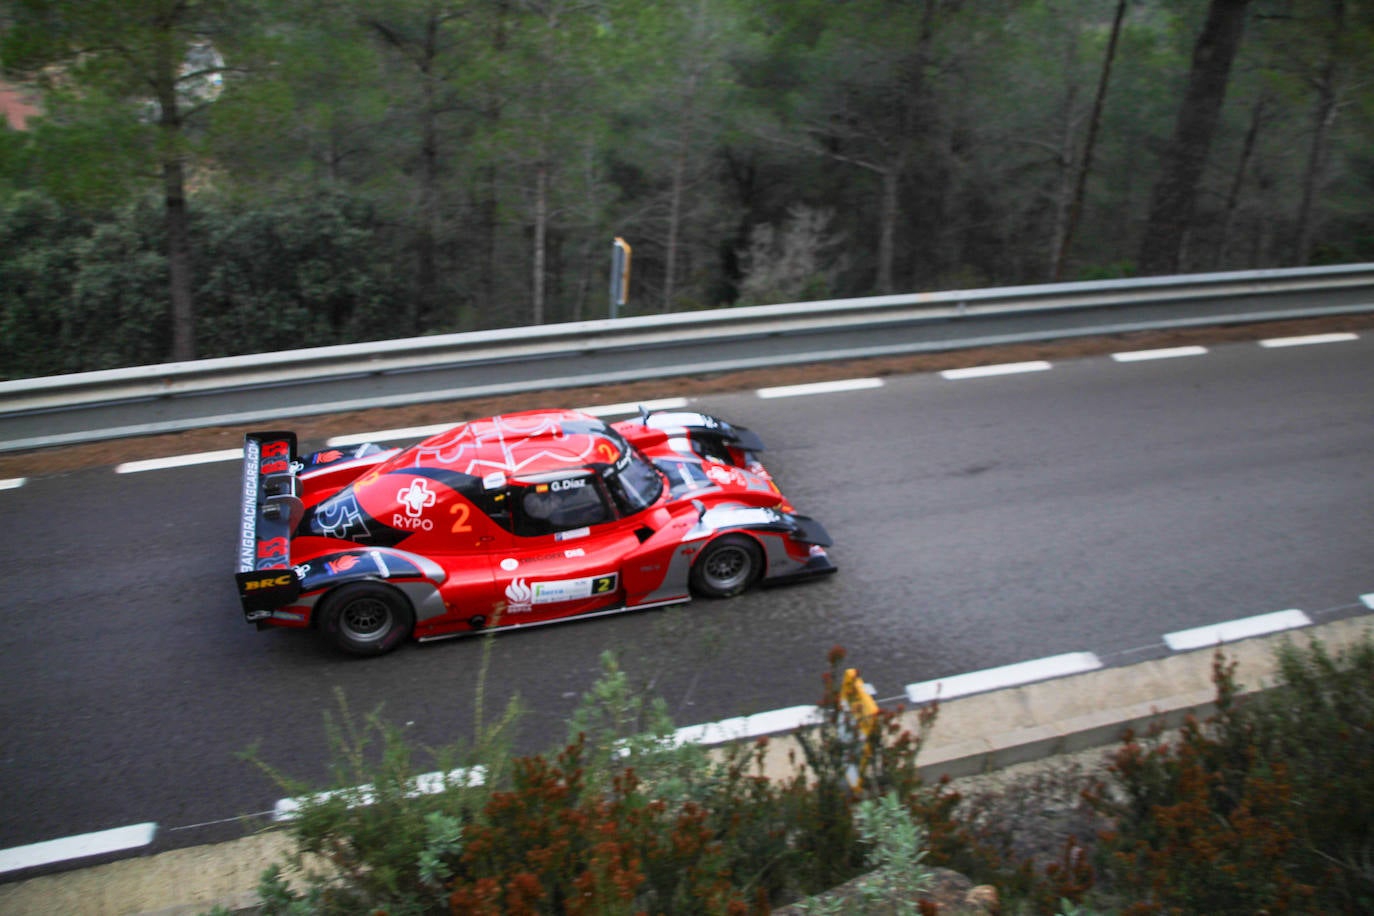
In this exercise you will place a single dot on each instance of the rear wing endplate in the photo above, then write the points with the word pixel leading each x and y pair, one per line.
pixel 271 509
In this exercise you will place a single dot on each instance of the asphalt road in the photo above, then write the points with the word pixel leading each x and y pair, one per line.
pixel 979 522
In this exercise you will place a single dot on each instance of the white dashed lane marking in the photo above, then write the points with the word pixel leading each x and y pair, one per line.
pixel 179 461
pixel 103 842
pixel 739 728
pixel 742 727
pixel 794 391
pixel 1232 630
pixel 787 391
pixel 1167 353
pixel 1308 340
pixel 1041 669
pixel 999 369
pixel 287 809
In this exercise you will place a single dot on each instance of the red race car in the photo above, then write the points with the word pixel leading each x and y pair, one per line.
pixel 512 521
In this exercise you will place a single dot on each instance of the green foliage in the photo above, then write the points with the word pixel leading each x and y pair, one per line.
pixel 896 850
pixel 1266 806
pixel 294 274
pixel 466 164
pixel 380 837
pixel 620 728
pixel 549 845
pixel 79 294
pixel 793 263
pixel 89 292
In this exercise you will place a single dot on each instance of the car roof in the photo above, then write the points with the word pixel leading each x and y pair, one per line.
pixel 524 445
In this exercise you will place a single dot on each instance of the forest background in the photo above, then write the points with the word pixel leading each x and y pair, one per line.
pixel 216 177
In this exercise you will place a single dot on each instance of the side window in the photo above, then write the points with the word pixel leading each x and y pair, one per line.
pixel 560 505
pixel 684 476
pixel 711 445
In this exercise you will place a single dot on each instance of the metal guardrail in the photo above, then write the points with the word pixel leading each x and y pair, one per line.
pixel 560 355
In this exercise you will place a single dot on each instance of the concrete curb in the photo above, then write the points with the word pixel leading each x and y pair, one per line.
pixel 973 735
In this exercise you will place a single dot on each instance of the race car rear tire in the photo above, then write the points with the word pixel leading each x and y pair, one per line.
pixel 727 567
pixel 366 618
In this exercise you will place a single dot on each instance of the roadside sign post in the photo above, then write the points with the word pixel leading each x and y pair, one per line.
pixel 620 274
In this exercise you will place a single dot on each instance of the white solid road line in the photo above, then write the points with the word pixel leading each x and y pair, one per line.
pixel 736 729
pixel 13 483
pixel 793 391
pixel 286 809
pixel 179 461
pixel 1166 353
pixel 741 727
pixel 76 847
pixel 1308 340
pixel 1041 669
pixel 1232 630
pixel 1368 600
pixel 999 369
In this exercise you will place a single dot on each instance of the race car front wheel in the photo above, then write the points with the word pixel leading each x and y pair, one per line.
pixel 727 566
pixel 366 618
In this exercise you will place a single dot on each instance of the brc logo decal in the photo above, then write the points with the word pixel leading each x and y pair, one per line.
pixel 253 585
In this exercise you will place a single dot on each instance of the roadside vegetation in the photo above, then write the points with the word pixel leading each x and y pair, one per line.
pixel 1266 806
pixel 206 179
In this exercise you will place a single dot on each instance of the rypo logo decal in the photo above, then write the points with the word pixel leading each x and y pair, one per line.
pixel 416 498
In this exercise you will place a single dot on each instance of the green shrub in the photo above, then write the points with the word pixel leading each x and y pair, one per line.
pixel 385 840
pixel 1264 807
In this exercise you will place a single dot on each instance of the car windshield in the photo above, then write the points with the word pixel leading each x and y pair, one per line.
pixel 634 482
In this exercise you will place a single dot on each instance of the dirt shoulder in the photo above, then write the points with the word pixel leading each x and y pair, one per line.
pixel 46 462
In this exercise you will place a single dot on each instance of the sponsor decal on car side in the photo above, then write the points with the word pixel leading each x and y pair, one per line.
pixel 522 596
pixel 415 498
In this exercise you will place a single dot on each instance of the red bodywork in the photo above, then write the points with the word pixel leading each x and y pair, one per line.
pixel 519 519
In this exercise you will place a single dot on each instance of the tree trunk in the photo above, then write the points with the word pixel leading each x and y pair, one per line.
pixel 427 276
pixel 179 261
pixel 1323 117
pixel 1085 164
pixel 541 230
pixel 175 214
pixel 887 230
pixel 675 192
pixel 1173 198
pixel 1247 152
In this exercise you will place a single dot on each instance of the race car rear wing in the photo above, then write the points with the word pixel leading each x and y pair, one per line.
pixel 270 512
